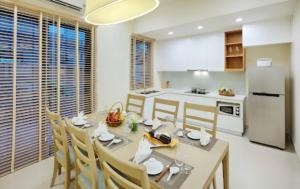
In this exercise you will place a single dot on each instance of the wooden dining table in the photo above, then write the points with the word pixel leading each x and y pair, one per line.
pixel 205 163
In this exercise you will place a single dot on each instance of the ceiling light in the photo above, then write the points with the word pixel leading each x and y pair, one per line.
pixel 170 33
pixel 200 27
pixel 106 12
pixel 239 19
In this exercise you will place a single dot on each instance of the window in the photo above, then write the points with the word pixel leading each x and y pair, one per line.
pixel 141 69
pixel 45 61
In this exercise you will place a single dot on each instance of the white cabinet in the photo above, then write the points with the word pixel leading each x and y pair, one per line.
pixel 267 32
pixel 198 52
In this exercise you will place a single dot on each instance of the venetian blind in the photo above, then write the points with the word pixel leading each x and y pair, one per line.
pixel 45 61
pixel 141 68
pixel 6 87
pixel 27 90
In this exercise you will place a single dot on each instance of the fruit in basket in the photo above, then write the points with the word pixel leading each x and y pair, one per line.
pixel 226 92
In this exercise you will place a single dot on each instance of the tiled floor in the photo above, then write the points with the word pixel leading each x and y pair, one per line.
pixel 252 166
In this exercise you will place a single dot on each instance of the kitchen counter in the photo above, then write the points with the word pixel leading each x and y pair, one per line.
pixel 215 95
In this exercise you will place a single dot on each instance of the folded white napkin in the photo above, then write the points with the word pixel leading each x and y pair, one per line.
pixel 156 123
pixel 143 152
pixel 80 118
pixel 205 138
pixel 101 129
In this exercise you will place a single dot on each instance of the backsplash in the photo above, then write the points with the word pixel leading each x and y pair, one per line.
pixel 211 81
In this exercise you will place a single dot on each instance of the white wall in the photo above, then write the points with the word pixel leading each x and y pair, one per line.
pixel 296 77
pixel 112 64
pixel 267 32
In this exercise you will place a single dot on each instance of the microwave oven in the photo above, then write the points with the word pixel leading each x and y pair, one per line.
pixel 230 109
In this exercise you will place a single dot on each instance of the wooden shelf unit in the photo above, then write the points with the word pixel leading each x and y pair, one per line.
pixel 234 51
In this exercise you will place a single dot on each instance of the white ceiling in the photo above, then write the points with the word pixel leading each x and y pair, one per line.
pixel 183 16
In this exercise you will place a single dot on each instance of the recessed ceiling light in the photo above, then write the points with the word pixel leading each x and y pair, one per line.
pixel 200 27
pixel 239 19
pixel 170 33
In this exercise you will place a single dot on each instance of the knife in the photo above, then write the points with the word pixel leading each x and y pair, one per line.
pixel 160 176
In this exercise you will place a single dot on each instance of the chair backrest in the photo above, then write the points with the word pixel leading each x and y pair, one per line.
pixel 59 134
pixel 207 120
pixel 165 110
pixel 118 172
pixel 135 103
pixel 85 160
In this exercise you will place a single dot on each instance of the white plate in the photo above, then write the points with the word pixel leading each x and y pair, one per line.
pixel 148 122
pixel 153 166
pixel 79 122
pixel 195 135
pixel 106 137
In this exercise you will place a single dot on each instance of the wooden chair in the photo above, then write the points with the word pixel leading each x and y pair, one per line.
pixel 87 174
pixel 201 120
pixel 135 103
pixel 63 152
pixel 119 173
pixel 198 121
pixel 172 113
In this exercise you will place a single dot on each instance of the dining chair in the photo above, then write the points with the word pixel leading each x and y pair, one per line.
pixel 208 117
pixel 87 174
pixel 165 110
pixel 63 152
pixel 135 103
pixel 207 120
pixel 119 173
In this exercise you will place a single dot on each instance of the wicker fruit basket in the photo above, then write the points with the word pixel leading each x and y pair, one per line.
pixel 226 92
pixel 114 117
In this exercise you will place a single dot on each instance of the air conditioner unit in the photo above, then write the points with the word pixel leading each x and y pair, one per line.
pixel 77 5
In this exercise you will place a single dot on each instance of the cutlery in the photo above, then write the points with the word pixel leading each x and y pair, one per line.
pixel 159 146
pixel 173 170
pixel 114 141
pixel 160 176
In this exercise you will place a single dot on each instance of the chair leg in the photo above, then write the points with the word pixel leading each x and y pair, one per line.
pixel 67 178
pixel 214 183
pixel 59 169
pixel 55 171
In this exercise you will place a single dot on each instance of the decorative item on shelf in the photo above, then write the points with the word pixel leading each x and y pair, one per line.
pixel 226 92
pixel 115 116
pixel 165 84
pixel 132 121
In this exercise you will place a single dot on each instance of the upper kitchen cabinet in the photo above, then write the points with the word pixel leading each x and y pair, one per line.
pixel 234 51
pixel 204 52
pixel 267 32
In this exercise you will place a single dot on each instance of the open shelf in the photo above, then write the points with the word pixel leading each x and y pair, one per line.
pixel 234 51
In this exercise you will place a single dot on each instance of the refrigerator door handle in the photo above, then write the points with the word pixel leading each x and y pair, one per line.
pixel 266 94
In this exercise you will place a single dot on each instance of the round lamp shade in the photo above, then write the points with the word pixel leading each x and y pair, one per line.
pixel 106 12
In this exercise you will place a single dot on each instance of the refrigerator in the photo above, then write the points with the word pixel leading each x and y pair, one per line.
pixel 266 105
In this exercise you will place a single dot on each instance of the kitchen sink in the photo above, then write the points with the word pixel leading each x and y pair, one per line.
pixel 149 92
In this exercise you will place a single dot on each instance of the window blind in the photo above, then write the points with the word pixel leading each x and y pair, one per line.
pixel 27 90
pixel 49 80
pixel 141 68
pixel 6 87
pixel 86 73
pixel 68 101
pixel 45 61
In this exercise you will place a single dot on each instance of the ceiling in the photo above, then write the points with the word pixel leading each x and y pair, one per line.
pixel 183 16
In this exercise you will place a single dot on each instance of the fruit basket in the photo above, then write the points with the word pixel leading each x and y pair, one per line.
pixel 115 117
pixel 226 92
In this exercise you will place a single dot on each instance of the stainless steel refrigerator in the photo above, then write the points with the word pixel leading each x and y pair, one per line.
pixel 266 105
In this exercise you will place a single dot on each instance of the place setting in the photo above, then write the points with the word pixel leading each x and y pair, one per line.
pixel 109 139
pixel 163 170
pixel 200 139
pixel 81 121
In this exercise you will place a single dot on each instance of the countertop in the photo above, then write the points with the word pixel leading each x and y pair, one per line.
pixel 215 95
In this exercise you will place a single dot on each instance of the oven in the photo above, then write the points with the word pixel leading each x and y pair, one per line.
pixel 227 108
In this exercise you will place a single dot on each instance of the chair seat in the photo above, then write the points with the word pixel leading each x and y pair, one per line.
pixel 61 155
pixel 86 182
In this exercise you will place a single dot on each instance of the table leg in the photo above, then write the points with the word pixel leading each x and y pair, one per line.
pixel 225 163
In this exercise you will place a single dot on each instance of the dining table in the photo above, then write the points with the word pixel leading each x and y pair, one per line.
pixel 204 162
